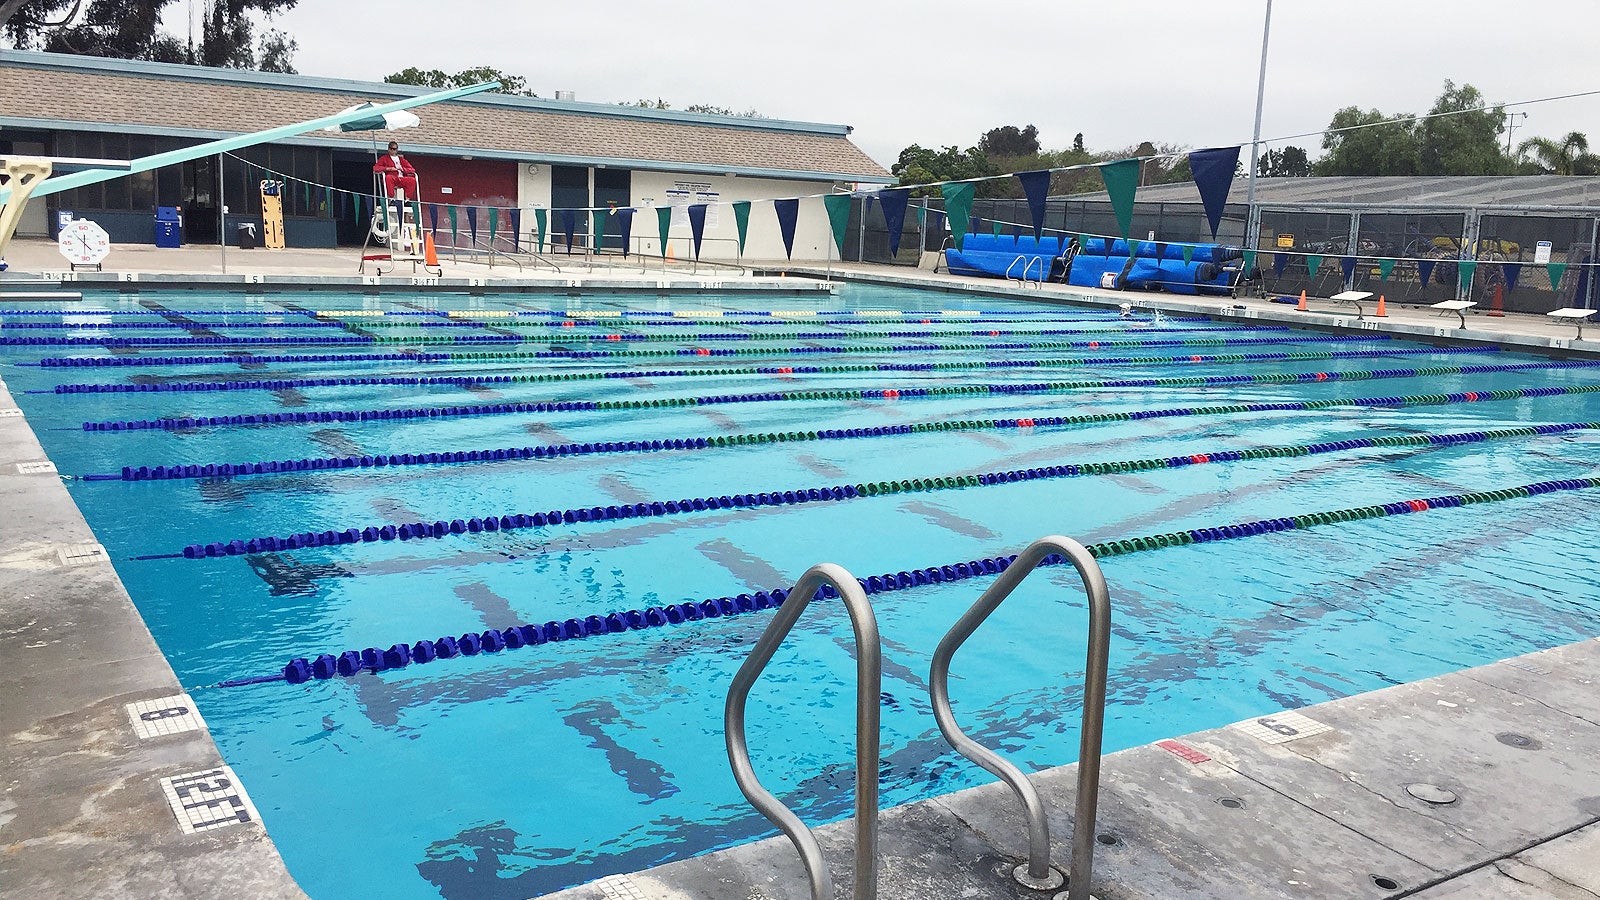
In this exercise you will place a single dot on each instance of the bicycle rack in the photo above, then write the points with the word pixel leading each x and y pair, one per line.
pixel 1037 872
pixel 869 677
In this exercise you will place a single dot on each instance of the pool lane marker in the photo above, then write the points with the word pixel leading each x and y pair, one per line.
pixel 352 662
pixel 67 362
pixel 899 393
pixel 278 384
pixel 717 442
pixel 164 716
pixel 510 522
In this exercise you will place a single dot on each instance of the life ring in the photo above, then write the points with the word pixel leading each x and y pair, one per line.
pixel 379 228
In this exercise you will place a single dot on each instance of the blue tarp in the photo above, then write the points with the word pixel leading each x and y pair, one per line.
pixel 996 255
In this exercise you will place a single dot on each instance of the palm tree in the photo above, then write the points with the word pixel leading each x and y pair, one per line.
pixel 1562 157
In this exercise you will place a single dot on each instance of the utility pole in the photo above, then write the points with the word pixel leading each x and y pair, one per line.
pixel 1252 226
pixel 1511 125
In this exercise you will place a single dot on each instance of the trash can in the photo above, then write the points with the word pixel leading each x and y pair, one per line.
pixel 247 235
pixel 169 227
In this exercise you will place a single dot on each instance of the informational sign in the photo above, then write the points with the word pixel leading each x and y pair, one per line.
pixel 1286 241
pixel 1541 253
pixel 682 194
pixel 272 214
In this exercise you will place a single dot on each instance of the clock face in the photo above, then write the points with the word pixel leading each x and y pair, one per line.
pixel 83 242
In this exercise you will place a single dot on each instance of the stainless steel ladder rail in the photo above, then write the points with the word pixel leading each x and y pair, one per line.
pixel 1036 873
pixel 869 677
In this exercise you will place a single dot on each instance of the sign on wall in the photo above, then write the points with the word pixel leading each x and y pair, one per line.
pixel 1541 253
pixel 684 193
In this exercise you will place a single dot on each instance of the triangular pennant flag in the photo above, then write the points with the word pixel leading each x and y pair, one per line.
pixel 472 221
pixel 838 207
pixel 1133 249
pixel 1213 172
pixel 1188 254
pixel 1511 271
pixel 958 207
pixel 1425 271
pixel 893 202
pixel 1122 182
pixel 433 219
pixel 1313 263
pixel 597 228
pixel 995 227
pixel 625 227
pixel 494 223
pixel 1385 266
pixel 741 218
pixel 385 212
pixel 1249 262
pixel 697 225
pixel 1280 261
pixel 516 228
pixel 664 226
pixel 922 216
pixel 1556 271
pixel 1347 265
pixel 541 224
pixel 1083 243
pixel 452 211
pixel 1036 187
pixel 327 199
pixel 306 189
pixel 787 212
pixel 1464 273
pixel 569 226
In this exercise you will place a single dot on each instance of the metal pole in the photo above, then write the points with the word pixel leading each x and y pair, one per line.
pixel 222 216
pixel 1252 225
pixel 1353 248
pixel 861 234
pixel 1594 243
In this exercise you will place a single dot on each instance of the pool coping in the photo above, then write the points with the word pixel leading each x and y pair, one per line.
pixel 84 808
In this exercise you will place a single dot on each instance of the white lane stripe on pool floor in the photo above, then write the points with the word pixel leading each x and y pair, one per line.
pixel 163 716
pixel 208 800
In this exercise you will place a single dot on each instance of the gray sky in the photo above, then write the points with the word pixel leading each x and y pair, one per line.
pixel 939 72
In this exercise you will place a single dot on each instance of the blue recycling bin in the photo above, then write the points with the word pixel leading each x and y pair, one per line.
pixel 169 227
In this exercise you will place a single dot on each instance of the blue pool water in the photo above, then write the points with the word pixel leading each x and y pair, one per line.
pixel 516 773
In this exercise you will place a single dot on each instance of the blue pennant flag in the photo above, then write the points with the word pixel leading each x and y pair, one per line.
pixel 472 222
pixel 893 201
pixel 1213 175
pixel 1425 270
pixel 516 228
pixel 697 225
pixel 1347 265
pixel 1035 186
pixel 569 226
pixel 433 219
pixel 788 211
pixel 1512 271
pixel 1280 261
pixel 625 224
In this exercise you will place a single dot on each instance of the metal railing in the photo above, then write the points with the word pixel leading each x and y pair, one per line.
pixel 1037 873
pixel 869 677
pixel 1027 263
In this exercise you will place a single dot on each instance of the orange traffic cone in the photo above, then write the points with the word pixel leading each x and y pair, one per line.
pixel 1382 312
pixel 430 255
pixel 1302 306
pixel 1498 307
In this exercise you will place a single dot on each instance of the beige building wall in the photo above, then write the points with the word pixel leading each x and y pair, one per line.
pixel 721 239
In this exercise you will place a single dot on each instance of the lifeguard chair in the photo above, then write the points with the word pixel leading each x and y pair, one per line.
pixel 395 233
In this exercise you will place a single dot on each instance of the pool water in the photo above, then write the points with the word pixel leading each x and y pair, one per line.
pixel 511 774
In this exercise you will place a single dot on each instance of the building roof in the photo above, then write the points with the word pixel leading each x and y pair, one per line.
pixel 1569 191
pixel 51 90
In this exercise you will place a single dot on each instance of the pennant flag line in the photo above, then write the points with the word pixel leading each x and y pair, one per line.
pixel 541 224
pixel 1385 267
pixel 1425 270
pixel 1464 274
pixel 625 227
pixel 516 229
pixel 741 218
pixel 1556 271
pixel 838 207
pixel 893 203
pixel 787 212
pixel 472 220
pixel 1347 266
pixel 1313 263
pixel 1036 187
pixel 1122 182
pixel 958 207
pixel 569 225
pixel 597 229
pixel 1512 271
pixel 664 226
pixel 697 225
pixel 1213 171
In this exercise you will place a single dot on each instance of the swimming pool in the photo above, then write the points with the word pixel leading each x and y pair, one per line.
pixel 513 773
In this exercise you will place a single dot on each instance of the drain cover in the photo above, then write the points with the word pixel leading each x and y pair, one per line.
pixel 1231 802
pixel 1431 793
pixel 1520 741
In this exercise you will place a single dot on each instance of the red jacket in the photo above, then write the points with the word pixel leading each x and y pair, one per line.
pixel 386 164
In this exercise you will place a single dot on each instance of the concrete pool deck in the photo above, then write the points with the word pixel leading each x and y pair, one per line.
pixel 1326 801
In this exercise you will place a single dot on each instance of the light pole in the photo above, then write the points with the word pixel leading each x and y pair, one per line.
pixel 1252 225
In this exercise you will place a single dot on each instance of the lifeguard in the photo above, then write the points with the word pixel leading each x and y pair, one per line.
pixel 399 178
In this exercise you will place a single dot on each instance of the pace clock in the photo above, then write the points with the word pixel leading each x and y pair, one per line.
pixel 83 243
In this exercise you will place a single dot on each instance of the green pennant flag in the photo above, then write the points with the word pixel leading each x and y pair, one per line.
pixel 541 222
pixel 598 217
pixel 664 221
pixel 922 216
pixel 1556 271
pixel 741 218
pixel 1133 249
pixel 356 202
pixel 838 206
pixel 327 199
pixel 1083 243
pixel 494 223
pixel 1249 262
pixel 1464 275
pixel 1122 182
pixel 452 211
pixel 995 227
pixel 1385 267
pixel 1313 263
pixel 307 186
pixel 385 212
pixel 1188 254
pixel 958 208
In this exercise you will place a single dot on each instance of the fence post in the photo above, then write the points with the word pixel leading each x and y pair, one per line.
pixel 1594 244
pixel 1353 248
pixel 1469 245
pixel 861 234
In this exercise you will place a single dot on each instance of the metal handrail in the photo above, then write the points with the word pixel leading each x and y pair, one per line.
pixel 1025 267
pixel 1037 873
pixel 948 242
pixel 869 677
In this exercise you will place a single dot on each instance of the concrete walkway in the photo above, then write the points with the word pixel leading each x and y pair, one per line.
pixel 1479 784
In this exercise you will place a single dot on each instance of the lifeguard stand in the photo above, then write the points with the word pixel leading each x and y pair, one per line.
pixel 395 233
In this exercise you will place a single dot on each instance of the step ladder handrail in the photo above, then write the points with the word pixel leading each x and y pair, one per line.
pixel 1094 702
pixel 869 677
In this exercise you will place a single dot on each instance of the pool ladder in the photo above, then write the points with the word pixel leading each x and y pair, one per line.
pixel 1027 264
pixel 1036 873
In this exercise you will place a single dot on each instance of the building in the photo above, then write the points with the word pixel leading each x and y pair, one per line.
pixel 487 152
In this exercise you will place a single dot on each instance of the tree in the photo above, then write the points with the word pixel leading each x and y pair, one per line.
pixel 920 165
pixel 437 78
pixel 1077 143
pixel 1290 162
pixel 1569 156
pixel 1010 141
pixel 706 108
pixel 1368 143
pixel 130 29
pixel 1465 142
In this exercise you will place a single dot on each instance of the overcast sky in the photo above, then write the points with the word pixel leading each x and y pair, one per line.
pixel 937 72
